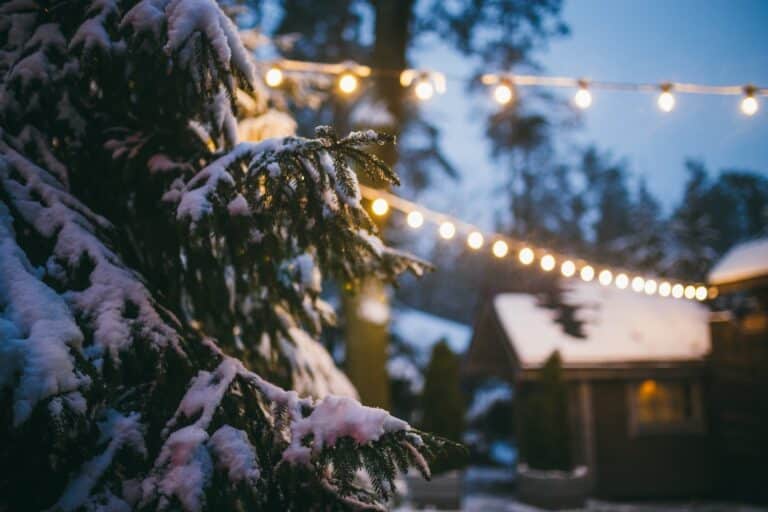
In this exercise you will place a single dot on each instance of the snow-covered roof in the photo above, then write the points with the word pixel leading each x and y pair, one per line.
pixel 741 262
pixel 620 326
pixel 422 330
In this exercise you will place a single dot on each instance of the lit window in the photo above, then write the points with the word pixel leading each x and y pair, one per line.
pixel 658 406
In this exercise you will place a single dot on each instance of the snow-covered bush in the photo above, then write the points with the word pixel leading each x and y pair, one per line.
pixel 159 283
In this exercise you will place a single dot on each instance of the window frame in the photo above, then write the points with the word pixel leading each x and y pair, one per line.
pixel 695 424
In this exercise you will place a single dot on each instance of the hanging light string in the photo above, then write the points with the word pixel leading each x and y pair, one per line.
pixel 528 255
pixel 425 83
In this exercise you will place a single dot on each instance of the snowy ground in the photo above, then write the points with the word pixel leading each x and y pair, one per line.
pixel 492 490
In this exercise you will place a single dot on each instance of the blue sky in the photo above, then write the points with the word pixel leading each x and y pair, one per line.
pixel 714 41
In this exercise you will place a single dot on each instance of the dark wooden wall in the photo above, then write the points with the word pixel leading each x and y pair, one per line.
pixel 669 465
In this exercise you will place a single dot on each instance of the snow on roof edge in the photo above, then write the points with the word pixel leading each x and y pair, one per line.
pixel 743 261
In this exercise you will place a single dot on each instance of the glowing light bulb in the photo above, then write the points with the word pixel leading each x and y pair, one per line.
pixel 525 256
pixel 415 219
pixel 665 289
pixel 677 291
pixel 447 230
pixel 348 83
pixel 713 292
pixel 650 287
pixel 622 281
pixel 568 268
pixel 701 293
pixel 690 292
pixel 500 248
pixel 666 101
pixel 380 206
pixel 273 77
pixel 605 277
pixel 587 273
pixel 475 240
pixel 582 98
pixel 503 94
pixel 547 262
pixel 749 105
pixel 423 89
pixel 638 283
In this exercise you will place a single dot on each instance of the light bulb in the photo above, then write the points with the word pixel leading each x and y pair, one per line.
pixel 712 292
pixel 677 291
pixel 605 277
pixel 525 256
pixel 380 206
pixel 582 98
pixel 348 83
pixel 665 289
pixel 273 77
pixel 622 281
pixel 701 293
pixel 666 101
pixel 650 287
pixel 423 89
pixel 690 292
pixel 568 268
pixel 447 230
pixel 638 283
pixel 587 273
pixel 500 248
pixel 547 262
pixel 415 219
pixel 503 93
pixel 475 240
pixel 749 105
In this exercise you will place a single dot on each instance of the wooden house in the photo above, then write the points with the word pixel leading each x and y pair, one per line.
pixel 637 383
pixel 739 370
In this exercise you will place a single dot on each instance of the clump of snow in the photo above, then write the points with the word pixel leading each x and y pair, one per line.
pixel 270 124
pixel 619 327
pixel 744 261
pixel 335 417
pixel 238 206
pixel 235 454
pixel 484 399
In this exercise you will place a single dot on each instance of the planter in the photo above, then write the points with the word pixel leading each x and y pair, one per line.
pixel 442 492
pixel 553 490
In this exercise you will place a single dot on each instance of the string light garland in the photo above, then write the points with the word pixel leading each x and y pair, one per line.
pixel 426 83
pixel 503 246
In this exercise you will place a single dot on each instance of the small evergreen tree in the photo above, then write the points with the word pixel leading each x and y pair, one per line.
pixel 442 401
pixel 545 442
pixel 158 280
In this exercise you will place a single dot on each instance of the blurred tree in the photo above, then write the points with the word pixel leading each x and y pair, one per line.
pixel 545 443
pixel 442 401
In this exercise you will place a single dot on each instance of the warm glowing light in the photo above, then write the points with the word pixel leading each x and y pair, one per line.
pixel 690 292
pixel 650 287
pixel 503 94
pixel 423 89
pixel 622 281
pixel 348 83
pixel 415 219
pixel 547 262
pixel 525 256
pixel 605 277
pixel 587 273
pixel 568 268
pixel 582 98
pixel 500 248
pixel 648 388
pixel 475 240
pixel 380 206
pixel 666 101
pixel 713 293
pixel 677 291
pixel 638 284
pixel 749 105
pixel 447 230
pixel 274 77
pixel 701 293
pixel 665 289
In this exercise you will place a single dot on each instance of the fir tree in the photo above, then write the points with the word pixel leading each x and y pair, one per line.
pixel 442 401
pixel 141 248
